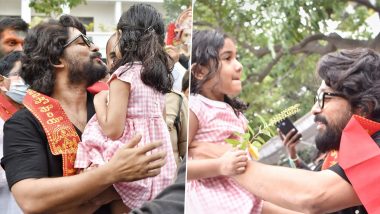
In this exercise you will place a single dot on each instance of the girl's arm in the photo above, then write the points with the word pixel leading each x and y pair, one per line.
pixel 111 117
pixel 197 169
pixel 231 163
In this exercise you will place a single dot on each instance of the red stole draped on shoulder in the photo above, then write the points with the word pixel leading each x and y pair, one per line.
pixel 330 160
pixel 60 132
pixel 359 156
pixel 7 109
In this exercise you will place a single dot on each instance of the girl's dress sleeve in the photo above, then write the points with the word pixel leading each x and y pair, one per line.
pixel 195 105
pixel 126 73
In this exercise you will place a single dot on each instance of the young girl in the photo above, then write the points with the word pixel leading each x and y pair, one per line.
pixel 214 117
pixel 135 104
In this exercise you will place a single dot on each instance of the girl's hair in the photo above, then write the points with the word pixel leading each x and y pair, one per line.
pixel 205 53
pixel 142 39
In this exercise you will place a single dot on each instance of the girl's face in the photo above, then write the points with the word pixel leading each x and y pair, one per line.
pixel 227 80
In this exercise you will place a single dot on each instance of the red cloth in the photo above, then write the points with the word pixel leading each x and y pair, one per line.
pixel 7 109
pixel 359 156
pixel 97 87
pixel 170 34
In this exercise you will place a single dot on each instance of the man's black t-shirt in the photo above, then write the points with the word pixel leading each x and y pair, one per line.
pixel 26 149
pixel 337 169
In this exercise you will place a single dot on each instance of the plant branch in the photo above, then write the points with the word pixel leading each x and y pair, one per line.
pixel 367 4
pixel 264 72
pixel 311 45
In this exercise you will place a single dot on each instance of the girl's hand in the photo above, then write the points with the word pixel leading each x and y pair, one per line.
pixel 290 141
pixel 233 162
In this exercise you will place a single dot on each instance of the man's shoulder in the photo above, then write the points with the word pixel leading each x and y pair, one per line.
pixel 21 114
pixel 22 117
pixel 174 95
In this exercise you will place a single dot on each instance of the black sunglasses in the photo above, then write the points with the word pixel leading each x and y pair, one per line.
pixel 320 98
pixel 84 37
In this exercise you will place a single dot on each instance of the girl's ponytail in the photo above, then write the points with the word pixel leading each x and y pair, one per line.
pixel 157 72
pixel 142 39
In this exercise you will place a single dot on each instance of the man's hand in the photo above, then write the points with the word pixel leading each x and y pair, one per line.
pixel 203 150
pixel 290 141
pixel 233 162
pixel 173 53
pixel 130 163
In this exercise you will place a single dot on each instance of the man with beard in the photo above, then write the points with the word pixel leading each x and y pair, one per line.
pixel 347 112
pixel 40 141
pixel 12 33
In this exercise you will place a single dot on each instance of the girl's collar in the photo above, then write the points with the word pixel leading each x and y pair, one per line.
pixel 214 103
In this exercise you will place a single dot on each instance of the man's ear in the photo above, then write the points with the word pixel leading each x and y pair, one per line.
pixel 58 64
pixel 364 110
pixel 199 71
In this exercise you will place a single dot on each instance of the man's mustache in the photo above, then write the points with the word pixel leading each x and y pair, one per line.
pixel 96 55
pixel 321 119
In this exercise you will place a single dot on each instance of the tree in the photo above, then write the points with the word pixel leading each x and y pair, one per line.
pixel 174 8
pixel 280 42
pixel 53 8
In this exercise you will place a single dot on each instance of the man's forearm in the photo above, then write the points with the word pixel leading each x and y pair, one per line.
pixel 269 208
pixel 63 193
pixel 86 208
pixel 299 190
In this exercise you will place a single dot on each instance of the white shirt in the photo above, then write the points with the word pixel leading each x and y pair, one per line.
pixel 178 72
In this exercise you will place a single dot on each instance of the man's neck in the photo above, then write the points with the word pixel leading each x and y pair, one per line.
pixel 73 100
pixel 70 95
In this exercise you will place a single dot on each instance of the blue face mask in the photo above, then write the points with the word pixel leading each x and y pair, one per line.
pixel 17 90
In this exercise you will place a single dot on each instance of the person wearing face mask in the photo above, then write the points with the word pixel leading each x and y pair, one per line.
pixel 12 92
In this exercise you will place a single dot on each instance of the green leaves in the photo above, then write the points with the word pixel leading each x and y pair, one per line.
pixel 255 140
pixel 233 142
pixel 261 27
pixel 53 8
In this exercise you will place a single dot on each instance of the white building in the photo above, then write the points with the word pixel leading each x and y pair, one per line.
pixel 104 14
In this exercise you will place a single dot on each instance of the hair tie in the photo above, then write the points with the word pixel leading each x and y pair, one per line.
pixel 127 27
pixel 150 29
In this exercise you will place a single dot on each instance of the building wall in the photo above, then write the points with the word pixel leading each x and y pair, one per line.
pixel 10 8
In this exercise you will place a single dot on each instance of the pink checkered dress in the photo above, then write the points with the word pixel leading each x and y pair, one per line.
pixel 145 109
pixel 217 122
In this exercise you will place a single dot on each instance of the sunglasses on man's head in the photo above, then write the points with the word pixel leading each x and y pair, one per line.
pixel 84 37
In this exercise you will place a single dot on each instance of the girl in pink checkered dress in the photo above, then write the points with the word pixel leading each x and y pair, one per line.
pixel 214 117
pixel 135 103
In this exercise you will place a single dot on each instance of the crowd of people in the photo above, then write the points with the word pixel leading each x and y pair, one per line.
pixel 82 136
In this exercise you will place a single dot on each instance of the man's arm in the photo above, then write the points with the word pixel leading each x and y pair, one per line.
pixel 269 208
pixel 294 189
pixel 62 193
pixel 297 189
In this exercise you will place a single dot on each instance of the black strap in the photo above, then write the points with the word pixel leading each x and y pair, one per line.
pixel 177 119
